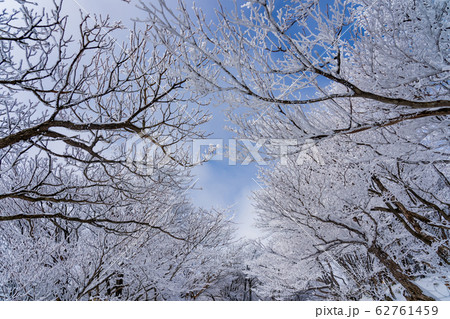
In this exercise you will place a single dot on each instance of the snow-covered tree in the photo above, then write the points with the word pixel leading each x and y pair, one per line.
pixel 354 225
pixel 369 83
pixel 94 166
pixel 387 62
pixel 70 104
pixel 72 261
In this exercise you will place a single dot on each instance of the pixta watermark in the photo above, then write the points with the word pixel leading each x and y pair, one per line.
pixel 146 153
pixel 262 151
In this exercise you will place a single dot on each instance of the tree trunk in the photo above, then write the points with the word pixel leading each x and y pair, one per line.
pixel 414 292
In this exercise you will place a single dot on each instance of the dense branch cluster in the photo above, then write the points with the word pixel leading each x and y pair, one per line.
pixel 84 213
pixel 367 83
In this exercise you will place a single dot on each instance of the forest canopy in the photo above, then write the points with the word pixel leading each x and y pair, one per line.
pixel 96 153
